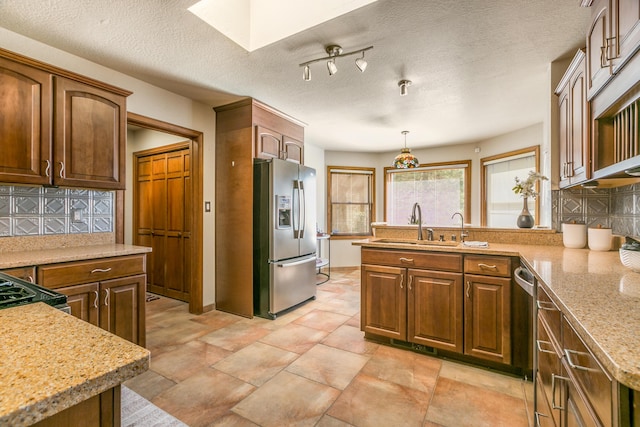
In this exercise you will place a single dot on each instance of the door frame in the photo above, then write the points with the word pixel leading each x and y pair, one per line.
pixel 196 138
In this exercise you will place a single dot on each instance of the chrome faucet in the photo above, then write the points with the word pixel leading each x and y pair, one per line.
pixel 462 233
pixel 419 219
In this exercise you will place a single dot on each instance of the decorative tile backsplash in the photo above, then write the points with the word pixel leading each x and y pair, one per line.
pixel 33 211
pixel 618 208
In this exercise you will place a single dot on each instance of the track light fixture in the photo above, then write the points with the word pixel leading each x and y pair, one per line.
pixel 335 51
pixel 404 87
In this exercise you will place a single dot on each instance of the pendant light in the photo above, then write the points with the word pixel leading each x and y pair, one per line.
pixel 405 159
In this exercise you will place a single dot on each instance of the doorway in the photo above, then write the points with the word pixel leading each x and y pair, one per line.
pixel 175 232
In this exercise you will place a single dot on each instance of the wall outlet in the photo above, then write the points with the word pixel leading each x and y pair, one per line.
pixel 76 215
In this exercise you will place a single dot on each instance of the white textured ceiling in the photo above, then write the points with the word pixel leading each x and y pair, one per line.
pixel 479 67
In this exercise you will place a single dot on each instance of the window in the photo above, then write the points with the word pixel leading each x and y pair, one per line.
pixel 441 189
pixel 500 205
pixel 350 200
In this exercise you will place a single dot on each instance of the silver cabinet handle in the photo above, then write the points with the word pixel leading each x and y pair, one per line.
pixel 401 280
pixel 61 169
pixel 468 288
pixel 568 353
pixel 541 350
pixel 553 390
pixel 47 170
pixel 403 259
pixel 30 278
pixel 537 416
pixel 487 267
pixel 546 305
pixel 101 270
pixel 106 297
pixel 95 301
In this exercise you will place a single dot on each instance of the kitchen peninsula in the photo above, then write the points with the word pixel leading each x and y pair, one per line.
pixel 59 370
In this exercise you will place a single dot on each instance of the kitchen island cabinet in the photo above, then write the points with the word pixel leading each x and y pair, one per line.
pixel 58 370
pixel 60 128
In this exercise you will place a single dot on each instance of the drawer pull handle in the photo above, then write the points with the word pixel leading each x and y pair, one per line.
pixel 468 288
pixel 401 280
pixel 101 270
pixel 542 350
pixel 487 267
pixel 538 415
pixel 106 297
pixel 553 390
pixel 568 353
pixel 546 305
pixel 30 279
pixel 403 259
pixel 95 301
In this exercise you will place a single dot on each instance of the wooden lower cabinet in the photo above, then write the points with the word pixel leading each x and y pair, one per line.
pixel 114 300
pixel 24 273
pixel 384 301
pixel 102 410
pixel 435 311
pixel 487 314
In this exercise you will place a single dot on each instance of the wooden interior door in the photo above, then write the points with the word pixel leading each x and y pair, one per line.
pixel 162 217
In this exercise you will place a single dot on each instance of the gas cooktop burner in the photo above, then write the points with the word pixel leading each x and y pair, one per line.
pixel 12 293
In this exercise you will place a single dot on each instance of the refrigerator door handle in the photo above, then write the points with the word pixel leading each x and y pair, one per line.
pixel 293 264
pixel 296 210
pixel 303 208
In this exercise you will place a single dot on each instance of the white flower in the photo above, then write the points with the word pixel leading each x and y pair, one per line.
pixel 526 188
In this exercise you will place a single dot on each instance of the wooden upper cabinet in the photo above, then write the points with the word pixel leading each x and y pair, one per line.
pixel 599 51
pixel 25 123
pixel 625 24
pixel 59 128
pixel 90 131
pixel 573 124
pixel 272 145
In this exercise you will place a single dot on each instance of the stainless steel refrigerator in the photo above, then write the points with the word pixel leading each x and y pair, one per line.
pixel 284 236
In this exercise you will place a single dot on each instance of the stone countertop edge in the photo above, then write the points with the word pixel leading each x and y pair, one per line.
pixel 79 253
pixel 588 288
pixel 53 361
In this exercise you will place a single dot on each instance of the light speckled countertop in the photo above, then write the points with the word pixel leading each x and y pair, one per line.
pixel 599 296
pixel 50 256
pixel 52 361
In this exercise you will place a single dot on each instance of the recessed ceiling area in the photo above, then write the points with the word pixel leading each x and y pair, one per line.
pixel 478 68
pixel 253 24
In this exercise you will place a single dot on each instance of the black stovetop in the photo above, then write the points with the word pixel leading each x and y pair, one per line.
pixel 14 292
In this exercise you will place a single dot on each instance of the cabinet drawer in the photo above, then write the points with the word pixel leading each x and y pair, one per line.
pixel 427 260
pixel 487 265
pixel 552 316
pixel 73 273
pixel 24 273
pixel 591 377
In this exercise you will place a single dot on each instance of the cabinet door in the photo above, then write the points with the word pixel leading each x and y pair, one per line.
pixel 25 124
pixel 83 300
pixel 89 136
pixel 565 137
pixel 487 312
pixel 268 143
pixel 293 149
pixel 384 301
pixel 625 19
pixel 542 414
pixel 576 410
pixel 599 68
pixel 578 142
pixel 549 366
pixel 435 309
pixel 122 310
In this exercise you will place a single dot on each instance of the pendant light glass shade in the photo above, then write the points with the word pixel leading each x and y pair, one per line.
pixel 405 160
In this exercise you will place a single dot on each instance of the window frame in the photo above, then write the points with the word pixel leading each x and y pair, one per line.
pixel 436 165
pixel 535 149
pixel 372 203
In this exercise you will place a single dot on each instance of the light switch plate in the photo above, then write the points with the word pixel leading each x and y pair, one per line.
pixel 207 206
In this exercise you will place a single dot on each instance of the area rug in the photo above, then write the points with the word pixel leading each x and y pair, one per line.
pixel 139 412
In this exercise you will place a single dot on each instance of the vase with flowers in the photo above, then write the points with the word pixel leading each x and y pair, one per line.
pixel 526 188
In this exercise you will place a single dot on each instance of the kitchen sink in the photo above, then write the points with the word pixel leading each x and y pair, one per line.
pixel 449 243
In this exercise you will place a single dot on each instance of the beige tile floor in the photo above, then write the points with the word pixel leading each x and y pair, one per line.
pixel 312 367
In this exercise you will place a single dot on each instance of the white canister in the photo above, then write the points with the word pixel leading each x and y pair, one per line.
pixel 574 235
pixel 600 239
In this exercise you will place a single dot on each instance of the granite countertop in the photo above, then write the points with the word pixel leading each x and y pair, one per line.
pixel 78 253
pixel 52 361
pixel 599 296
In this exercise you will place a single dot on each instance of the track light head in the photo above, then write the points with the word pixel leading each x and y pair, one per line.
pixel 361 63
pixel 404 87
pixel 331 66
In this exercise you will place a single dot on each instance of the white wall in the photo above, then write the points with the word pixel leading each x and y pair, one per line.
pixel 151 101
